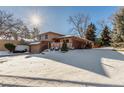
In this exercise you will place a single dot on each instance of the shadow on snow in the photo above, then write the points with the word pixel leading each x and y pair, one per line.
pixel 91 59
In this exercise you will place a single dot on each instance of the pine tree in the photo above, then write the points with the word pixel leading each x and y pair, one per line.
pixel 105 36
pixel 90 33
pixel 64 46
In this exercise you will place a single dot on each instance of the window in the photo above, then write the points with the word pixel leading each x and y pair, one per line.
pixel 46 36
pixel 67 41
pixel 57 40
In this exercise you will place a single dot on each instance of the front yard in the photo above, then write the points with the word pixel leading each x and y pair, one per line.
pixel 91 67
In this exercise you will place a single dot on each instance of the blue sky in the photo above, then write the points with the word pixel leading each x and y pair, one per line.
pixel 55 18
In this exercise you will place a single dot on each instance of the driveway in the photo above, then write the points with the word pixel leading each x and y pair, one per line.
pixel 91 67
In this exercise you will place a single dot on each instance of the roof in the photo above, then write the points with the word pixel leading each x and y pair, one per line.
pixel 34 43
pixel 71 36
pixel 66 36
pixel 52 33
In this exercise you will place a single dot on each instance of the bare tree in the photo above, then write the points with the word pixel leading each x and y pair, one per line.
pixel 35 33
pixel 80 23
pixel 9 26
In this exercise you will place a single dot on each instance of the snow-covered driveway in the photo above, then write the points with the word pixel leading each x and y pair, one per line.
pixel 94 67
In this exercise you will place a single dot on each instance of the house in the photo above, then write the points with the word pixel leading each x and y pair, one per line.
pixel 73 42
pixel 45 40
pixel 54 40
pixel 48 36
pixel 3 42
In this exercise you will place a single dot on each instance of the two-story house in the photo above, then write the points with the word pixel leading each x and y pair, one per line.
pixel 48 36
pixel 45 40
pixel 55 40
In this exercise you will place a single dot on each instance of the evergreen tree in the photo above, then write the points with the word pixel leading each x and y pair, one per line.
pixel 118 31
pixel 90 33
pixel 64 46
pixel 105 36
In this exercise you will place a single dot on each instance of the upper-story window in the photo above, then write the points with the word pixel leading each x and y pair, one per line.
pixel 46 36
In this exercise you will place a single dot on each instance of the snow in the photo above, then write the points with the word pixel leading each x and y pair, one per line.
pixel 28 40
pixel 66 36
pixel 5 53
pixel 34 43
pixel 86 67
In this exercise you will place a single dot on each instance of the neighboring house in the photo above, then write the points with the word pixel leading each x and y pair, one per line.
pixel 3 42
pixel 55 40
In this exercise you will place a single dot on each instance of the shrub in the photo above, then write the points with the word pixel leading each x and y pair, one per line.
pixel 64 46
pixel 118 45
pixel 10 47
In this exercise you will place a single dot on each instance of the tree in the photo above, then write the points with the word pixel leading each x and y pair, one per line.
pixel 10 47
pixel 24 32
pixel 105 36
pixel 64 46
pixel 10 27
pixel 80 23
pixel 90 33
pixel 35 33
pixel 118 30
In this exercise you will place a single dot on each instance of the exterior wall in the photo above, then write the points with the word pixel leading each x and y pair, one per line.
pixel 73 43
pixel 50 36
pixel 82 44
pixel 35 48
pixel 59 44
pixel 3 42
pixel 38 48
pixel 69 44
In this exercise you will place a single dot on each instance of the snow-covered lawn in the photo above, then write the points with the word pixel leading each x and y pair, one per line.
pixel 5 53
pixel 92 67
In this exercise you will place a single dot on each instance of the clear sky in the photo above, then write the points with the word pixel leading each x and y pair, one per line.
pixel 55 18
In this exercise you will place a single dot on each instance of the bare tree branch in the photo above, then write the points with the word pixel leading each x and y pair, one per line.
pixel 80 23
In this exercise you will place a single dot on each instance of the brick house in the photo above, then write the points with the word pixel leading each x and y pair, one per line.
pixel 54 40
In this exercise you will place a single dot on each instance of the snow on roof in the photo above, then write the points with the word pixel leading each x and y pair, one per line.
pixel 34 43
pixel 66 36
pixel 51 32
pixel 28 40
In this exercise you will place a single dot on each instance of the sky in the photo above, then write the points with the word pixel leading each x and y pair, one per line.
pixel 54 18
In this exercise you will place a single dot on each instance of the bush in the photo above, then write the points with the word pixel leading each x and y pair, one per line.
pixel 10 47
pixel 118 45
pixel 64 46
